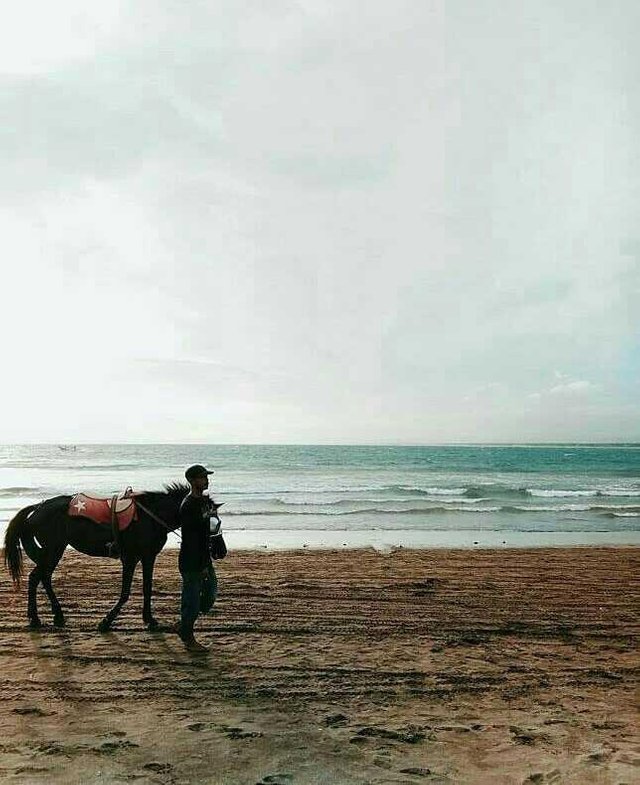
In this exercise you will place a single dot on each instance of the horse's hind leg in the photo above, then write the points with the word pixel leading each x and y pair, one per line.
pixel 128 568
pixel 35 577
pixel 56 608
pixel 47 572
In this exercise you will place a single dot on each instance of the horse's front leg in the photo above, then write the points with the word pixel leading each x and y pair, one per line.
pixel 128 568
pixel 147 586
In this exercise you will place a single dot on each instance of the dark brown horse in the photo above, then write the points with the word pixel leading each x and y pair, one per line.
pixel 44 531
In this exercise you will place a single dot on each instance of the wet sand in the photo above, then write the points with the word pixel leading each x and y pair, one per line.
pixel 517 666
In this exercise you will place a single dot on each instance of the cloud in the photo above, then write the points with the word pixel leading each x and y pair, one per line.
pixel 571 388
pixel 567 388
pixel 322 221
pixel 36 37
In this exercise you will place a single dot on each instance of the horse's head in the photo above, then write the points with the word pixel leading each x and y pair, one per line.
pixel 166 504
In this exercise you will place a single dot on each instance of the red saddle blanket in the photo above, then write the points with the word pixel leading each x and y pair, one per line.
pixel 99 509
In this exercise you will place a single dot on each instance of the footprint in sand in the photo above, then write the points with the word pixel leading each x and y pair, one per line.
pixel 538 778
pixel 32 711
pixel 629 759
pixel 608 725
pixel 229 731
pixel 240 733
pixel 51 748
pixel 336 721
pixel 159 768
pixel 109 747
pixel 528 737
pixel 599 756
pixel 409 736
pixel 432 776
pixel 276 779
pixel 30 770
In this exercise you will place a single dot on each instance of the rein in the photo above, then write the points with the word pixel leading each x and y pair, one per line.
pixel 157 519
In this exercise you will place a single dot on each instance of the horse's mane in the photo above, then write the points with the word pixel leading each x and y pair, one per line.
pixel 175 490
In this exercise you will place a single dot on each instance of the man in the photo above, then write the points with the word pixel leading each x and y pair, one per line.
pixel 199 583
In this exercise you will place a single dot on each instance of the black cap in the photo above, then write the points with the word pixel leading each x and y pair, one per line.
pixel 196 471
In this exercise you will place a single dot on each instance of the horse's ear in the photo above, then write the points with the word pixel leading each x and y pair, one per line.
pixel 217 506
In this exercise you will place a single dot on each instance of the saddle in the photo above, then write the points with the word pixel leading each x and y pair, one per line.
pixel 120 507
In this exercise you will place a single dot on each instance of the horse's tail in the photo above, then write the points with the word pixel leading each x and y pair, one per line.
pixel 12 549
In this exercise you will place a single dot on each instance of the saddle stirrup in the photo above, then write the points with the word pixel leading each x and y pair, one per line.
pixel 114 526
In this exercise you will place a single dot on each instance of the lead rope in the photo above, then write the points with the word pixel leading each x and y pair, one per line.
pixel 157 519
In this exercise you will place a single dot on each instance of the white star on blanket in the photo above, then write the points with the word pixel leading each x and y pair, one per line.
pixel 79 505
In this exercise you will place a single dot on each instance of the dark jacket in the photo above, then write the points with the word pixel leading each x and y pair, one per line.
pixel 194 522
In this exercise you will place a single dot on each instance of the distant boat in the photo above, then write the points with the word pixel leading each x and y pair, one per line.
pixel 67 447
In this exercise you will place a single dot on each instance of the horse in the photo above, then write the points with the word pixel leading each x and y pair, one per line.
pixel 45 530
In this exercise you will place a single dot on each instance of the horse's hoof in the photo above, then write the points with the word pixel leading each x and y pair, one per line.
pixel 153 625
pixel 59 621
pixel 104 626
pixel 35 623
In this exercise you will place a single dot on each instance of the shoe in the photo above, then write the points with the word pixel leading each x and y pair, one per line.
pixel 192 645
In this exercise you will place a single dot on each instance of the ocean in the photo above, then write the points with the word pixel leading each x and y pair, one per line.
pixel 278 496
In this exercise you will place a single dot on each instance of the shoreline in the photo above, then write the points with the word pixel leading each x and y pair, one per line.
pixel 385 540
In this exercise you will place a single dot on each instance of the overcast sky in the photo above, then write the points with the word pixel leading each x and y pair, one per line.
pixel 408 221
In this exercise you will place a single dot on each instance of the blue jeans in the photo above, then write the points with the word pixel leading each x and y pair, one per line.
pixel 199 590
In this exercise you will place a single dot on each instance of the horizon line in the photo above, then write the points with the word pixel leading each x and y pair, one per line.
pixel 619 443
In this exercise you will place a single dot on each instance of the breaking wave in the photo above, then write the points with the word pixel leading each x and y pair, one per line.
pixel 427 491
pixel 22 490
pixel 364 510
pixel 629 510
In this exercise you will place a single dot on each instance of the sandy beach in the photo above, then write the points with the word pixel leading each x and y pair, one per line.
pixel 515 666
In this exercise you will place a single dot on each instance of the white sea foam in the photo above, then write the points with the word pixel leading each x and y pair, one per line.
pixel 556 508
pixel 311 501
pixel 615 507
pixel 551 494
pixel 433 491
pixel 474 509
pixel 427 510
pixel 456 500
pixel 614 492
pixel 571 508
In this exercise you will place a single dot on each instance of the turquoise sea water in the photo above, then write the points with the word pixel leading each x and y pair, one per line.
pixel 314 496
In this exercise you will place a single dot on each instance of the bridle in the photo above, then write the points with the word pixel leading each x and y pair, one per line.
pixel 157 519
